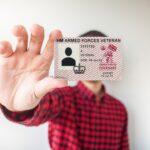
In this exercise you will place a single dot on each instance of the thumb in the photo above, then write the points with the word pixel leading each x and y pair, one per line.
pixel 46 85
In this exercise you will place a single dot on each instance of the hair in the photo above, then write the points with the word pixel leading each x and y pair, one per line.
pixel 93 33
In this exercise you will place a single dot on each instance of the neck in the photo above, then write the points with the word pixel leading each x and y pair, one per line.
pixel 94 86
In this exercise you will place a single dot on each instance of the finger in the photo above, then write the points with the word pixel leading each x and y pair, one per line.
pixel 5 49
pixel 46 85
pixel 22 38
pixel 37 36
pixel 49 49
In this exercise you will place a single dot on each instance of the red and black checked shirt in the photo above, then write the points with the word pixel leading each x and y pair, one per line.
pixel 77 121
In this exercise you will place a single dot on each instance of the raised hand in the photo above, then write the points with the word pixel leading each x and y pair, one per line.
pixel 24 71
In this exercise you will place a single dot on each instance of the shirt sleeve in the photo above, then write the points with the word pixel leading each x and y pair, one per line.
pixel 49 107
pixel 125 142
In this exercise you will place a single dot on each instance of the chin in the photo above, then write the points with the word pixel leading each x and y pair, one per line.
pixel 92 81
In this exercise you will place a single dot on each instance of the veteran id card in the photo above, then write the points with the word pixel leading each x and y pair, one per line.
pixel 88 58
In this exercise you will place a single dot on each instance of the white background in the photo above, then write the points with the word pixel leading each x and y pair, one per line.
pixel 128 19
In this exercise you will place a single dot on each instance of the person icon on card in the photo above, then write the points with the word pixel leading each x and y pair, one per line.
pixel 68 61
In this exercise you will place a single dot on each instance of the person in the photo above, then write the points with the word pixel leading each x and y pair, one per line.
pixel 83 117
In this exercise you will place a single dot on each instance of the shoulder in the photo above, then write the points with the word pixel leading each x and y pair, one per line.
pixel 116 104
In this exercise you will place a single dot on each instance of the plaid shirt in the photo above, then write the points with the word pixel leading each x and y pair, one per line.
pixel 77 121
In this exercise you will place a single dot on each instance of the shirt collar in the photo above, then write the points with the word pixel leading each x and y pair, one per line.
pixel 87 94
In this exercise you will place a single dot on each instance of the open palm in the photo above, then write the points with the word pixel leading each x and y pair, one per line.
pixel 24 72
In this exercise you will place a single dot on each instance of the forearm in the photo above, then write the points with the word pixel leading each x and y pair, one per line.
pixel 49 107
